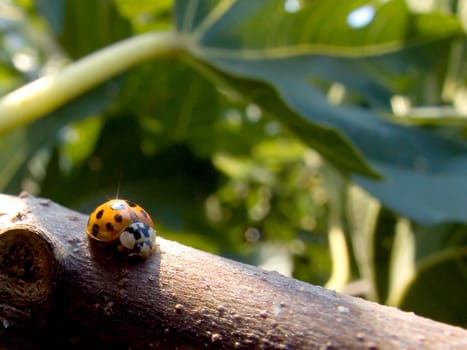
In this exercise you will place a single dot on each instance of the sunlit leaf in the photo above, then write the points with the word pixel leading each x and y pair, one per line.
pixel 283 70
pixel 84 25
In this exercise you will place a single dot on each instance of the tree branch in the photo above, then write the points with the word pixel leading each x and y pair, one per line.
pixel 180 296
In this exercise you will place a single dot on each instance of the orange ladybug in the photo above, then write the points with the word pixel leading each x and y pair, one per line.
pixel 125 222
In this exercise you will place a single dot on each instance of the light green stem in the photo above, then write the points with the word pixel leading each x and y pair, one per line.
pixel 45 94
pixel 340 258
pixel 336 184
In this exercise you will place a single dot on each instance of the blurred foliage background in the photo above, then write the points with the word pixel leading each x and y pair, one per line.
pixel 321 139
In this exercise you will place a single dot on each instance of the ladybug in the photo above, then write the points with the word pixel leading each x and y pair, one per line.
pixel 123 222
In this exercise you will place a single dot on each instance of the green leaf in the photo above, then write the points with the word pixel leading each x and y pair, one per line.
pixel 84 26
pixel 381 251
pixel 286 69
pixel 147 15
pixel 14 151
pixel 175 105
pixel 20 146
pixel 438 291
pixel 429 271
pixel 53 12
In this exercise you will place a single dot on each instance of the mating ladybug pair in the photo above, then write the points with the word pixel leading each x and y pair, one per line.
pixel 125 223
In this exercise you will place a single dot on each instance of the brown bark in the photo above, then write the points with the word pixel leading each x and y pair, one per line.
pixel 52 277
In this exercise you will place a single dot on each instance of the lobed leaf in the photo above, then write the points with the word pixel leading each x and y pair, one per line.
pixel 282 59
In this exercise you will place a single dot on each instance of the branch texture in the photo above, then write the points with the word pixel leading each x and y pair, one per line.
pixel 180 297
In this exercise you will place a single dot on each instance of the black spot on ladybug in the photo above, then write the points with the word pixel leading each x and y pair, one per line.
pixel 137 235
pixel 95 229
pixel 118 218
pixel 109 226
pixel 99 214
pixel 130 203
pixel 133 216
pixel 143 212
